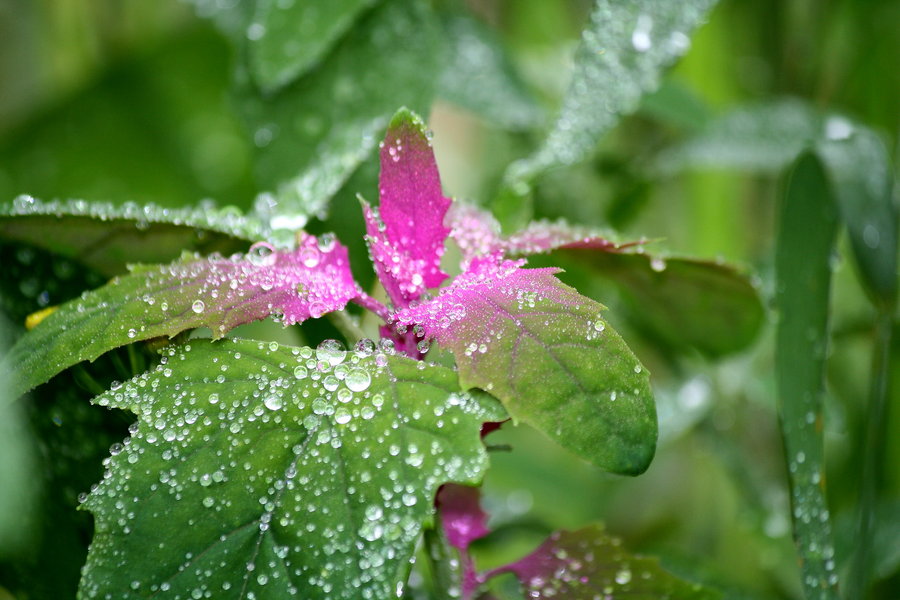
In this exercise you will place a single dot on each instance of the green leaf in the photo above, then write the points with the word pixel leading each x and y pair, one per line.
pixel 107 237
pixel 286 39
pixel 157 301
pixel 589 563
pixel 681 303
pixel 545 351
pixel 805 243
pixel 480 76
pixel 764 137
pixel 622 54
pixel 278 472
pixel 861 177
pixel 387 61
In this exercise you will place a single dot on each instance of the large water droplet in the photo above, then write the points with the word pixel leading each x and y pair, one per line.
pixel 331 351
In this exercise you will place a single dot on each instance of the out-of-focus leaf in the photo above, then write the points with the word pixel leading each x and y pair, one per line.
pixel 302 473
pixel 164 301
pixel 681 302
pixel 286 39
pixel 806 238
pixel 861 177
pixel 545 351
pixel 139 133
pixel 18 484
pixel 622 54
pixel 589 564
pixel 761 137
pixel 314 133
pixel 480 77
pixel 107 237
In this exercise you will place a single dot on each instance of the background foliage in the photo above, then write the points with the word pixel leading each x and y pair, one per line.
pixel 149 102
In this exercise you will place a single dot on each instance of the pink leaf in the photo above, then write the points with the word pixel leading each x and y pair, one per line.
pixel 477 233
pixel 412 207
pixel 589 564
pixel 461 516
pixel 304 283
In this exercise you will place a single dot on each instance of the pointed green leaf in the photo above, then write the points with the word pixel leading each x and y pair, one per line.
pixel 545 351
pixel 266 473
pixel 162 301
pixel 622 54
pixel 286 39
pixel 106 237
pixel 387 61
pixel 806 239
pixel 589 563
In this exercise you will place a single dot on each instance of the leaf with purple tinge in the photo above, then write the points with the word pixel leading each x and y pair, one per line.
pixel 546 353
pixel 412 206
pixel 477 233
pixel 588 564
pixel 462 519
pixel 219 293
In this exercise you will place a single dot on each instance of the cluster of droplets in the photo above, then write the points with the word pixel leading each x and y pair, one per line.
pixel 206 215
pixel 338 451
pixel 224 292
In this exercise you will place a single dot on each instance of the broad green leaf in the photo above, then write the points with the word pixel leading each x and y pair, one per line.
pixel 480 77
pixel 589 563
pixel 106 237
pixel 805 243
pixel 622 54
pixel 286 39
pixel 861 177
pixel 545 351
pixel 682 303
pixel 158 301
pixel 314 133
pixel 276 472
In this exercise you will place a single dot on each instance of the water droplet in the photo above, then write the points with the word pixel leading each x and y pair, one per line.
pixel 273 402
pixel 358 379
pixel 331 351
pixel 198 306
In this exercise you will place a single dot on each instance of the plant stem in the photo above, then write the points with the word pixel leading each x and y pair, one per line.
pixel 875 427
pixel 444 568
pixel 347 325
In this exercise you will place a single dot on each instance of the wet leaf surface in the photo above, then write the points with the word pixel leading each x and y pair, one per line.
pixel 589 564
pixel 218 293
pixel 545 351
pixel 806 238
pixel 106 237
pixel 267 472
pixel 406 238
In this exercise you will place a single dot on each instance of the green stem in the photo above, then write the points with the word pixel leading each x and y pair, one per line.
pixel 442 560
pixel 873 460
pixel 347 325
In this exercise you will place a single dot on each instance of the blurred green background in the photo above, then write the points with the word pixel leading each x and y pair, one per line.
pixel 121 100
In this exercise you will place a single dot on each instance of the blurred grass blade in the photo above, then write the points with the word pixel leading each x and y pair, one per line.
pixel 623 51
pixel 805 243
pixel 860 172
